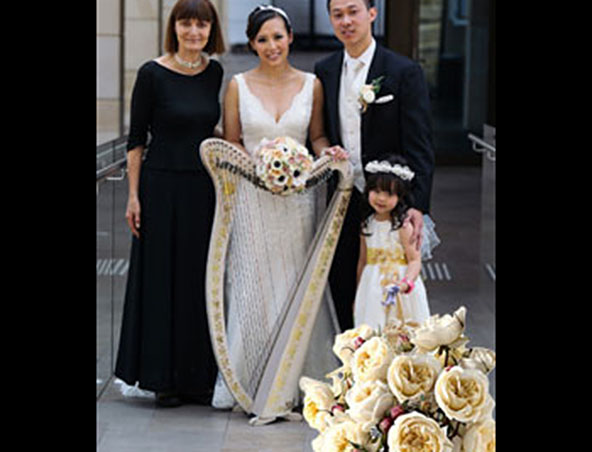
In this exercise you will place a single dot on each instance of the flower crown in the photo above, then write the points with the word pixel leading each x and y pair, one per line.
pixel 385 167
pixel 276 9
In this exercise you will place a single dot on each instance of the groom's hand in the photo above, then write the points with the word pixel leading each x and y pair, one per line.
pixel 415 217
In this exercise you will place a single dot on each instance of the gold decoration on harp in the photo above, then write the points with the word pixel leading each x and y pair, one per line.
pixel 229 188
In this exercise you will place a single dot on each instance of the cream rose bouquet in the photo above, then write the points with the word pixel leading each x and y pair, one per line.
pixel 410 387
pixel 283 165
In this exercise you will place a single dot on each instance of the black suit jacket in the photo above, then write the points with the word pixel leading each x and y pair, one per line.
pixel 401 126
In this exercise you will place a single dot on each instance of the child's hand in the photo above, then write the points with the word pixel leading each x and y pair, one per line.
pixel 403 286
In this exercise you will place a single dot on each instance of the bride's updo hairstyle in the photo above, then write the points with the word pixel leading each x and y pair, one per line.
pixel 262 14
pixel 392 184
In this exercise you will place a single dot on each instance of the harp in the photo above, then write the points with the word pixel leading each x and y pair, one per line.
pixel 278 354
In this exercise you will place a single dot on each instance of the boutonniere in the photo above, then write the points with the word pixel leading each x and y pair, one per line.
pixel 368 93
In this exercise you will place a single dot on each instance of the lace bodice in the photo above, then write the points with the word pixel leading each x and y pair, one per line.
pixel 257 123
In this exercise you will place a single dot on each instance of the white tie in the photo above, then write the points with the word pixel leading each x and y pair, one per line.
pixel 352 70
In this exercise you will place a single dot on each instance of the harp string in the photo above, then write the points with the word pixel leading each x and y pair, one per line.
pixel 266 275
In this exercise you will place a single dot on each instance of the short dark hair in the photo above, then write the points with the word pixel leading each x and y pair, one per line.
pixel 369 4
pixel 258 17
pixel 202 10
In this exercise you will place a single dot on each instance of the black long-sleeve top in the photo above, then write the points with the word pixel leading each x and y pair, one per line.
pixel 179 111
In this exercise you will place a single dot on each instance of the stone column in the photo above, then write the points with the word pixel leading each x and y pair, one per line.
pixel 108 70
pixel 141 42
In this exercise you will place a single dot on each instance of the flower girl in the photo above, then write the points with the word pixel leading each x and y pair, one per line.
pixel 389 265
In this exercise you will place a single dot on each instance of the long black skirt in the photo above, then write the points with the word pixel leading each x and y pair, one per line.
pixel 165 342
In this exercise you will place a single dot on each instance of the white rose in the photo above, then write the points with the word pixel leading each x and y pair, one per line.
pixel 339 436
pixel 344 345
pixel 368 402
pixel 318 400
pixel 414 432
pixel 437 331
pixel 367 93
pixel 317 443
pixel 480 437
pixel 409 376
pixel 479 358
pixel 463 394
pixel 487 410
pixel 371 361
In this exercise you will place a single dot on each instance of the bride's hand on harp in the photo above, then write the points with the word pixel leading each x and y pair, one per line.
pixel 337 153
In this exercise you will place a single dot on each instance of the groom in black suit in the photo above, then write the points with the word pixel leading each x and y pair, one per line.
pixel 397 121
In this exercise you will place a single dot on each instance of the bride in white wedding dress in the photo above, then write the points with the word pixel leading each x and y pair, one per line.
pixel 272 100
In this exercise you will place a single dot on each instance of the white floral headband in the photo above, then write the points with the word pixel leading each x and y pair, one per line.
pixel 385 167
pixel 276 9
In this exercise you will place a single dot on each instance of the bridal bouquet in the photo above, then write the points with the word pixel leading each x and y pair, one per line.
pixel 283 165
pixel 409 388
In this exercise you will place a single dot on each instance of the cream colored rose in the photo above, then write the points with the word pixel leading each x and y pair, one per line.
pixel 463 394
pixel 339 436
pixel 318 400
pixel 479 358
pixel 344 345
pixel 412 375
pixel 437 331
pixel 480 437
pixel 414 432
pixel 368 401
pixel 367 93
pixel 371 361
pixel 487 411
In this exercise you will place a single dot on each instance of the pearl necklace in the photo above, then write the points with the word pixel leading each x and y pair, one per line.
pixel 188 64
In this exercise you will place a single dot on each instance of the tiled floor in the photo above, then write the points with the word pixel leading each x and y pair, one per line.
pixel 129 425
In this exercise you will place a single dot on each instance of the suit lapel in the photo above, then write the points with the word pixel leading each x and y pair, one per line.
pixel 376 66
pixel 333 84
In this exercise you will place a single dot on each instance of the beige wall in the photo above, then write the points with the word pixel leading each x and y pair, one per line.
pixel 141 43
pixel 142 28
pixel 108 69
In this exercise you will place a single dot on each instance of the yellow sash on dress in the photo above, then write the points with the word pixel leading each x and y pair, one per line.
pixel 376 256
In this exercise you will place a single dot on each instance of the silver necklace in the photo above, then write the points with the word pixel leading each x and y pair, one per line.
pixel 188 64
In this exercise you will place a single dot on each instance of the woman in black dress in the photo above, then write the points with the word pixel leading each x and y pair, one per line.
pixel 165 343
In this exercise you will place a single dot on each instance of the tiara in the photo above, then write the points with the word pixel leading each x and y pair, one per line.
pixel 276 9
pixel 385 167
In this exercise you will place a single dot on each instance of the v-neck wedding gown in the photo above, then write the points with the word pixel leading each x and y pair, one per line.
pixel 284 227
